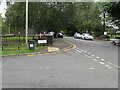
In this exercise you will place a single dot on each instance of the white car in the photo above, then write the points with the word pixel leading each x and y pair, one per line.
pixel 116 40
pixel 87 36
pixel 77 35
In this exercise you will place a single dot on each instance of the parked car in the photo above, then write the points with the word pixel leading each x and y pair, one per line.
pixel 77 35
pixel 116 40
pixel 59 35
pixel 87 36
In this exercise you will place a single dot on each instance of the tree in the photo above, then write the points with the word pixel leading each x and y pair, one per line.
pixel 113 9
pixel 55 16
pixel 15 16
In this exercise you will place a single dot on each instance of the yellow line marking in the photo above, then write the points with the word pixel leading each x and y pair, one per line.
pixel 73 47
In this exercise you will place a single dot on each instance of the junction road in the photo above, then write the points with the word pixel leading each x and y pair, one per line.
pixel 92 64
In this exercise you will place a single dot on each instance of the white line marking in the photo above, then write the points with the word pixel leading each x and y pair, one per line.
pixel 95 59
pixel 91 68
pixel 48 67
pixel 108 66
pixel 88 53
pixel 85 51
pixel 77 48
pixel 92 55
pixel 78 51
pixel 89 57
pixel 101 62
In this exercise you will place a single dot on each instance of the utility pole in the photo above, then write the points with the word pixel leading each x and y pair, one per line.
pixel 26 24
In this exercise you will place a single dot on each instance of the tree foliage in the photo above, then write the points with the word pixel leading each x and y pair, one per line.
pixel 113 9
pixel 55 16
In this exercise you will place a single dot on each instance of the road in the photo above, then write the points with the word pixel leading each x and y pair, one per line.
pixel 92 64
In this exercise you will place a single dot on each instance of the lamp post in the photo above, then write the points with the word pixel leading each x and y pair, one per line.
pixel 26 24
pixel 104 22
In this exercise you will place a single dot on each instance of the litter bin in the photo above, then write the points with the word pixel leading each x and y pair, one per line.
pixel 31 45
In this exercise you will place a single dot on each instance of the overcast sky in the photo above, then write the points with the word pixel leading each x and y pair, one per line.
pixel 3 7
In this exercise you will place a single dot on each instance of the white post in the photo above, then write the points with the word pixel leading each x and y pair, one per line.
pixel 26 23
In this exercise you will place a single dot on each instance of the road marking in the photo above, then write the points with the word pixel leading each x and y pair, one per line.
pixel 31 55
pixel 91 68
pixel 101 62
pixel 108 66
pixel 46 67
pixel 49 67
pixel 78 51
pixel 53 49
pixel 85 51
pixel 95 59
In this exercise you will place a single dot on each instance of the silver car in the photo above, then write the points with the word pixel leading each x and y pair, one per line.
pixel 77 35
pixel 87 36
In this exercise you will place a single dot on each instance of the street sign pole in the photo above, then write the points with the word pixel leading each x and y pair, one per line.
pixel 26 23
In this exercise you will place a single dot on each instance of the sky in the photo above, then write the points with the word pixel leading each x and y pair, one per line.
pixel 3 7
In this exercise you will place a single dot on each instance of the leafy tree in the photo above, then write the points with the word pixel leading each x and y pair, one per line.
pixel 5 28
pixel 55 16
pixel 113 9
pixel 15 16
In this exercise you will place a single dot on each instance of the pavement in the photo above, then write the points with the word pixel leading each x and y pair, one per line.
pixel 58 45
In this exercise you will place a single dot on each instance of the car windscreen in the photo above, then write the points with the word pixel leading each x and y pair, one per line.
pixel 118 37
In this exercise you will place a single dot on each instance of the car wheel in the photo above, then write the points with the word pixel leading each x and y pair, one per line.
pixel 114 43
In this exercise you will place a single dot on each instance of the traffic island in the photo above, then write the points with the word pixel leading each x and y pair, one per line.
pixel 58 45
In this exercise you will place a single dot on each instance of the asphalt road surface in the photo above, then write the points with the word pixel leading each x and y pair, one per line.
pixel 92 64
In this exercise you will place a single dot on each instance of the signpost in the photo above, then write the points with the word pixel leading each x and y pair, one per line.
pixel 42 41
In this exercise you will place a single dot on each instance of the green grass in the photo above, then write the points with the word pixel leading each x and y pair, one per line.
pixel 23 49
pixel 16 38
pixel 14 50
pixel 113 36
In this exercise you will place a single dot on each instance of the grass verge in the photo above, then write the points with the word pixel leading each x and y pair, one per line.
pixel 15 51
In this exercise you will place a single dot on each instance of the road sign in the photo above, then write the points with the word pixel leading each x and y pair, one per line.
pixel 42 41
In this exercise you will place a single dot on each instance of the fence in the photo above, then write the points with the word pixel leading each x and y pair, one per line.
pixel 16 41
